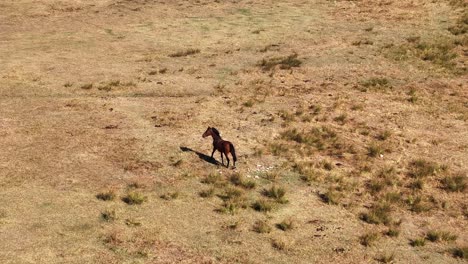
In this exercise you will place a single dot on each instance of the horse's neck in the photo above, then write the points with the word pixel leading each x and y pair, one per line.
pixel 216 138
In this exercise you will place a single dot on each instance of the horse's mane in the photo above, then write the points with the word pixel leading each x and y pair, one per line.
pixel 216 131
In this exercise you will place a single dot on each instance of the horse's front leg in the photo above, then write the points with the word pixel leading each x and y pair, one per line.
pixel 227 166
pixel 222 159
pixel 212 153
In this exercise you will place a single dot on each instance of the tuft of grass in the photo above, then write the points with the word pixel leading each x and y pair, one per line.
pixel 108 215
pixel 331 197
pixel 86 86
pixel 215 179
pixel 384 135
pixel 375 83
pixel 286 224
pixel 392 197
pixel 106 195
pixel 461 25
pixel 456 183
pixel 134 197
pixel 248 103
pixel 374 150
pixel 392 232
pixel 169 196
pixel 417 204
pixel 240 180
pixel 207 193
pixel 284 63
pixel 460 252
pixel 417 184
pixel 369 239
pixel 317 137
pixel 386 258
pixel 437 236
pixel 184 53
pixel 280 244
pixel 277 193
pixel 262 205
pixel 420 168
pixel 341 118
pixel 262 226
pixel 418 242
pixel 379 214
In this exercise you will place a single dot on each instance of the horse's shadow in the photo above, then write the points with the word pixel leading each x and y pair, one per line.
pixel 201 155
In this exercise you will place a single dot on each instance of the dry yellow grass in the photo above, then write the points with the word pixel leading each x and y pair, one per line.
pixel 319 97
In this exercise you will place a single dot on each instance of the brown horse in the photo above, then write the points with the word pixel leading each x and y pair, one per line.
pixel 223 146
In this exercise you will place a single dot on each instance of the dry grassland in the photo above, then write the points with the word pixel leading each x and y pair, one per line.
pixel 349 120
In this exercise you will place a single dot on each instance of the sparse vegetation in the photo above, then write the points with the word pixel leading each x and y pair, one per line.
pixel 460 252
pixel 420 168
pixel 331 196
pixel 392 232
pixel 134 197
pixel 262 226
pixel 284 63
pixel 286 224
pixel 184 53
pixel 170 196
pixel 207 193
pixel 262 205
pixel 280 244
pixel 418 242
pixel 240 180
pixel 456 183
pixel 106 195
pixel 369 239
pixel 386 258
pixel 277 193
pixel 437 236
pixel 375 83
pixel 379 214
pixel 108 215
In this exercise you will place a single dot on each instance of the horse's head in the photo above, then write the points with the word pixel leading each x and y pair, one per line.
pixel 208 132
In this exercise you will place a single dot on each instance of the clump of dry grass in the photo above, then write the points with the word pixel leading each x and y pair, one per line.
pixel 386 258
pixel 184 53
pixel 106 195
pixel 284 63
pixel 392 232
pixel 455 183
pixel 375 150
pixel 281 244
pixel 460 252
pixel 108 215
pixel 317 137
pixel 437 236
pixel 379 214
pixel 262 205
pixel 207 193
pixel 384 135
pixel 277 193
pixel 233 200
pixel 461 25
pixel 240 180
pixel 418 242
pixel 286 224
pixel 420 168
pixel 86 86
pixel 134 197
pixel 170 196
pixel 262 226
pixel 369 239
pixel 375 83
pixel 331 196
pixel 215 179
pixel 417 204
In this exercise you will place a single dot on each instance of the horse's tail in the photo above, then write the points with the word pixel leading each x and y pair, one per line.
pixel 233 152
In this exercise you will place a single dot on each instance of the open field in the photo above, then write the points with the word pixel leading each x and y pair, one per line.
pixel 349 120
